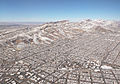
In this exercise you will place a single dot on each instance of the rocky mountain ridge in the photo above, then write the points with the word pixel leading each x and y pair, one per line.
pixel 49 32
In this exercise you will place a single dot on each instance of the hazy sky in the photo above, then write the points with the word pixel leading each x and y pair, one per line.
pixel 51 10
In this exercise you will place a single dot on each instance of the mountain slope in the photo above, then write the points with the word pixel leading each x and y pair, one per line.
pixel 49 32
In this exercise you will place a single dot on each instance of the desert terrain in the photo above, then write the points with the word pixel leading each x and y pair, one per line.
pixel 61 52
